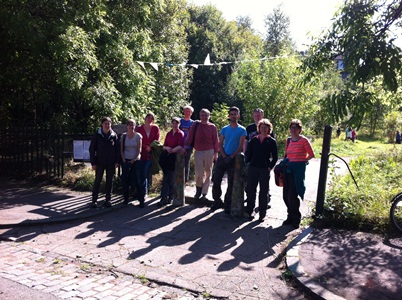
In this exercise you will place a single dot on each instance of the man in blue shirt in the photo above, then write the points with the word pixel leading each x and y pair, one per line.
pixel 231 140
pixel 185 125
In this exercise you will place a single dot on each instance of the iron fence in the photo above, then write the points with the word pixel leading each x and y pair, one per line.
pixel 26 151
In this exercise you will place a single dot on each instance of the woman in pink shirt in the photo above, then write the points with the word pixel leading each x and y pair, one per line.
pixel 206 145
pixel 298 152
pixel 173 144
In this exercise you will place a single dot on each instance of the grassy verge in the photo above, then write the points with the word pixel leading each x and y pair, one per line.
pixel 377 168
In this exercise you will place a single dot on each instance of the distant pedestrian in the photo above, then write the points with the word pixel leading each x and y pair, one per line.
pixel 349 134
pixel 262 157
pixel 130 148
pixel 205 137
pixel 298 152
pixel 185 125
pixel 398 137
pixel 354 135
pixel 104 153
pixel 173 144
pixel 231 142
pixel 338 132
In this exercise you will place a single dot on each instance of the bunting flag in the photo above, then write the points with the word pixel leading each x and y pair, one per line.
pixel 207 62
pixel 141 63
pixel 154 65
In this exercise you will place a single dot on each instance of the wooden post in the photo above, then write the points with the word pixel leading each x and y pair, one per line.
pixel 322 181
pixel 237 206
pixel 179 181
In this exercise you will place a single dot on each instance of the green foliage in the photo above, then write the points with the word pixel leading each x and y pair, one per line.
pixel 393 121
pixel 80 178
pixel 274 86
pixel 73 62
pixel 278 35
pixel 370 60
pixel 378 177
pixel 209 33
pixel 220 115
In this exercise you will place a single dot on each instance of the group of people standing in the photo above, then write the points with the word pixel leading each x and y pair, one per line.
pixel 137 148
pixel 350 134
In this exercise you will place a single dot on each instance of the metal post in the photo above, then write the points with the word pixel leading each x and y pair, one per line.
pixel 322 181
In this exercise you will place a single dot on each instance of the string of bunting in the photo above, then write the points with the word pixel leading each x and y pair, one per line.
pixel 207 63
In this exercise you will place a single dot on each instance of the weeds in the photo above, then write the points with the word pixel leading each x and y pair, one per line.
pixel 142 278
pixel 365 208
pixel 85 267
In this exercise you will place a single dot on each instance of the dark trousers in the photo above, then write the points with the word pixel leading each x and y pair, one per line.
pixel 222 166
pixel 290 197
pixel 130 178
pixel 257 176
pixel 110 171
pixel 168 184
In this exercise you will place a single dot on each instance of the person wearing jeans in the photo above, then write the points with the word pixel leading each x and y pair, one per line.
pixel 149 132
pixel 130 148
pixel 231 141
pixel 298 152
pixel 185 125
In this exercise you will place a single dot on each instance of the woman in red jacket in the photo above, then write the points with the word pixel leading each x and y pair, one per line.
pixel 150 132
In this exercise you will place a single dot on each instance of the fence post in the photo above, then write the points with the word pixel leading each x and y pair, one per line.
pixel 322 181
pixel 179 185
pixel 237 205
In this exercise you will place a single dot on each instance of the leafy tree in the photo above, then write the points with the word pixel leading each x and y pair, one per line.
pixel 273 85
pixel 277 32
pixel 210 33
pixel 363 34
pixel 72 62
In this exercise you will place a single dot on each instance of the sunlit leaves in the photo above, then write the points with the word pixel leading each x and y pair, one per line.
pixel 273 85
pixel 75 51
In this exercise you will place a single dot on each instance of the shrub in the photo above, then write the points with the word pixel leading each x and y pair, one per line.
pixel 366 207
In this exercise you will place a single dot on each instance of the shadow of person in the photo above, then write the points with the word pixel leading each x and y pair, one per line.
pixel 257 245
pixel 185 231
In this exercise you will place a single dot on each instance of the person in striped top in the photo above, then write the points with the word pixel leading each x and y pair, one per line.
pixel 298 152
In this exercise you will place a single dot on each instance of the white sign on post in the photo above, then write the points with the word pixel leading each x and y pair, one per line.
pixel 81 150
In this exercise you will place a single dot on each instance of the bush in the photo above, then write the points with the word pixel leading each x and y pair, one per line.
pixel 79 178
pixel 366 207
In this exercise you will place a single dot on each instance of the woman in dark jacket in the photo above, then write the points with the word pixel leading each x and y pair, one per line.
pixel 262 155
pixel 104 153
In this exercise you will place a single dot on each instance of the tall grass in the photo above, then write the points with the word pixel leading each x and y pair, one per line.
pixel 378 173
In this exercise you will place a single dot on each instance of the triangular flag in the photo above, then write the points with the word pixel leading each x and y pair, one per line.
pixel 154 65
pixel 141 63
pixel 207 61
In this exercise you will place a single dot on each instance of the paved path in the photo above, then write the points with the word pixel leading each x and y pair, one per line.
pixel 181 253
